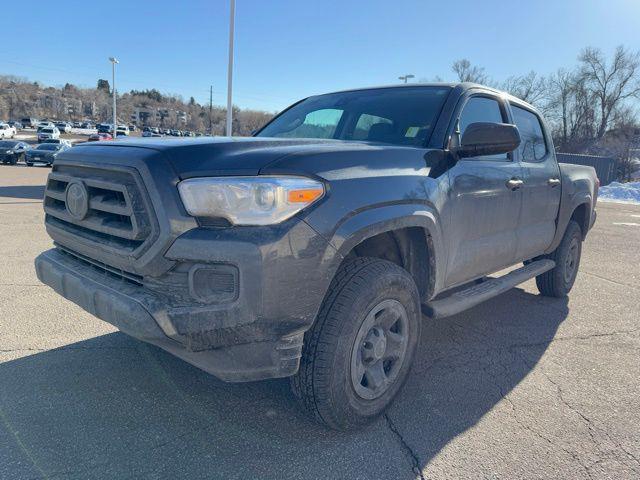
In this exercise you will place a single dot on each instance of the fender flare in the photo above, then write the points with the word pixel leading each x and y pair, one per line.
pixel 565 214
pixel 364 224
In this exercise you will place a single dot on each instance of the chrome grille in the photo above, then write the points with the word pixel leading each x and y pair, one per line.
pixel 117 217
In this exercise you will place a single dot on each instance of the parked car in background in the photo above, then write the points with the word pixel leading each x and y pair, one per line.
pixel 47 133
pixel 104 128
pixel 122 130
pixel 132 128
pixel 98 137
pixel 12 151
pixel 64 127
pixel 44 153
pixel 60 141
pixel 76 124
pixel 45 124
pixel 147 133
pixel 7 131
pixel 86 125
pixel 165 131
pixel 175 133
pixel 15 124
pixel 29 122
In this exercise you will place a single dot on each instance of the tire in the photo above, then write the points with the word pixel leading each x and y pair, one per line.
pixel 348 374
pixel 558 281
pixel 29 164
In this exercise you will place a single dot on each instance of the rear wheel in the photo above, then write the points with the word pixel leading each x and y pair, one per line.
pixel 359 352
pixel 558 281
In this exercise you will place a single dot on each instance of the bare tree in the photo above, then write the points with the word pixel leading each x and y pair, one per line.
pixel 469 73
pixel 611 83
pixel 531 88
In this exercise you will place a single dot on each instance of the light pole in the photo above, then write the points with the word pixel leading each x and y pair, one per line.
pixel 406 77
pixel 113 61
pixel 232 15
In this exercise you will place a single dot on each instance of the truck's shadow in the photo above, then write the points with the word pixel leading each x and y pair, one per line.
pixel 112 407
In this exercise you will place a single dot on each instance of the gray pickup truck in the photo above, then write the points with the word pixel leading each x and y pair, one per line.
pixel 315 249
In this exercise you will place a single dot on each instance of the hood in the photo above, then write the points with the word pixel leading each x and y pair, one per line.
pixel 196 157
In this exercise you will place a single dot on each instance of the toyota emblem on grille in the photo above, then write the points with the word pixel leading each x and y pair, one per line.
pixel 77 200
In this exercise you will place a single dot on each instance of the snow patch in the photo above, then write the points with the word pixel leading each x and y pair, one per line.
pixel 620 193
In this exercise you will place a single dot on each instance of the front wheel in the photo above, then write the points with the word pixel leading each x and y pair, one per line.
pixel 558 281
pixel 357 355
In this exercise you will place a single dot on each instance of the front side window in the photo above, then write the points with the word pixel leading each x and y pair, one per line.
pixel 533 147
pixel 481 109
pixel 399 116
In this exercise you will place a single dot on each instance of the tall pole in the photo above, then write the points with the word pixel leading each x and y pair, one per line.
pixel 211 109
pixel 232 15
pixel 113 61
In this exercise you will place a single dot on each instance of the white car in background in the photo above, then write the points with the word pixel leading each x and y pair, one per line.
pixel 122 130
pixel 64 127
pixel 47 133
pixel 59 141
pixel 44 125
pixel 7 131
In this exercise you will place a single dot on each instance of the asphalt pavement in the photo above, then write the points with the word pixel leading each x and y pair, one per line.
pixel 521 386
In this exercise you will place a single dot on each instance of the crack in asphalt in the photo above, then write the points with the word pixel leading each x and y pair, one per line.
pixel 524 426
pixel 573 337
pixel 601 277
pixel 405 446
pixel 593 430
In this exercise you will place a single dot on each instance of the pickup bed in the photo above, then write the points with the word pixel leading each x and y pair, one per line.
pixel 312 249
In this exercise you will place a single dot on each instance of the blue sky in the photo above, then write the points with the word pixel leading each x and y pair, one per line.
pixel 287 49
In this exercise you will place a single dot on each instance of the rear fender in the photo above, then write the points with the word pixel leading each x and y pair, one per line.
pixel 574 193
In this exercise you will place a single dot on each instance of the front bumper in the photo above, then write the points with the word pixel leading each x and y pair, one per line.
pixel 245 352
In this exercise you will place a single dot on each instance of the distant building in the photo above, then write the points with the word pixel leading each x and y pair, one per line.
pixel 155 116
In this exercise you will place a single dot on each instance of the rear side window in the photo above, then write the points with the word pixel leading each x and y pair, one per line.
pixel 481 109
pixel 533 147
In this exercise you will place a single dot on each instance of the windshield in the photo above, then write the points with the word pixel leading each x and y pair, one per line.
pixel 7 144
pixel 49 146
pixel 400 116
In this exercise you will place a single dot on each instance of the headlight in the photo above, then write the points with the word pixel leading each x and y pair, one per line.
pixel 258 200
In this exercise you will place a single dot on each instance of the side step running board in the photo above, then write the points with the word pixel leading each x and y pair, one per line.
pixel 472 296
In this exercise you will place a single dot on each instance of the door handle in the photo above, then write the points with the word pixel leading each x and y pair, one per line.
pixel 553 182
pixel 514 183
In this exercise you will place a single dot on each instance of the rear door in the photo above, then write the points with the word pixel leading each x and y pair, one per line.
pixel 484 209
pixel 541 190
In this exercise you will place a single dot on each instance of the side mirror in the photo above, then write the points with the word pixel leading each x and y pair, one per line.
pixel 483 138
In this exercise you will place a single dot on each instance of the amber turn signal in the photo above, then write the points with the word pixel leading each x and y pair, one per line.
pixel 306 195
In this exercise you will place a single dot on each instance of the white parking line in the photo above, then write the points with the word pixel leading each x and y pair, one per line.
pixel 627 224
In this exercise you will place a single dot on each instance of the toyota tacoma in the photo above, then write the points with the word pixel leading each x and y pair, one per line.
pixel 316 248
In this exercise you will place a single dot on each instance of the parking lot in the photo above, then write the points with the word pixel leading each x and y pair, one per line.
pixel 519 387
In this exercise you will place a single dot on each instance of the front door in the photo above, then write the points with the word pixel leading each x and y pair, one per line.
pixel 484 203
